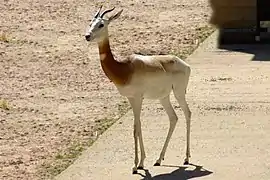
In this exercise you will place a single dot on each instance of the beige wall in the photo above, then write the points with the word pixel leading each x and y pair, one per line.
pixel 233 13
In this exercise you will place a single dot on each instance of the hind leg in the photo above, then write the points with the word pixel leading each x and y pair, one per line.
pixel 180 97
pixel 173 120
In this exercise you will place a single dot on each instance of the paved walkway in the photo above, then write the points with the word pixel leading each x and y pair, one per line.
pixel 229 96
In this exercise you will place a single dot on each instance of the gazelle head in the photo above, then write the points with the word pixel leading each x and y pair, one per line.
pixel 98 27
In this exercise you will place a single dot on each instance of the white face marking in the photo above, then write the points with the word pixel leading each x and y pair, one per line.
pixel 96 29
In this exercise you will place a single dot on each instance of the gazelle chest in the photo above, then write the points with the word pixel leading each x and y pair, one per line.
pixel 118 73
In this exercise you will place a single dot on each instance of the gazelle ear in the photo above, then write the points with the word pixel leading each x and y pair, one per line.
pixel 117 15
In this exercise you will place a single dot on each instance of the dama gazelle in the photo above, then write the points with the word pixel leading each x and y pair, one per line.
pixel 140 77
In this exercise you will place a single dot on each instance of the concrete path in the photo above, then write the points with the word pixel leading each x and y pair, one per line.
pixel 229 96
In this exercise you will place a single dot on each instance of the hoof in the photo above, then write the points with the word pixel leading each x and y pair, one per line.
pixel 157 164
pixel 140 167
pixel 135 172
pixel 186 163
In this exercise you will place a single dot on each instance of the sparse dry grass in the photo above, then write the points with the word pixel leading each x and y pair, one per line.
pixel 65 158
pixel 4 104
pixel 4 37
pixel 201 34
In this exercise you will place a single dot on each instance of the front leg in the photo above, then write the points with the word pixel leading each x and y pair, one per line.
pixel 141 164
pixel 136 160
pixel 136 104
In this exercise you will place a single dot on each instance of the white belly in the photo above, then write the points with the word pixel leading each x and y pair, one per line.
pixel 150 87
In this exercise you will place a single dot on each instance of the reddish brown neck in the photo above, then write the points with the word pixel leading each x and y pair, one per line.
pixel 105 52
pixel 118 72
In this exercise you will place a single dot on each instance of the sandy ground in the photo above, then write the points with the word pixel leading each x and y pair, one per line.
pixel 52 80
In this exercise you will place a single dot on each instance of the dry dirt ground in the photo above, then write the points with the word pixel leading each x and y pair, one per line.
pixel 55 100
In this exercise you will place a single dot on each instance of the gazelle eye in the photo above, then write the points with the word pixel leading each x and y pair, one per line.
pixel 101 25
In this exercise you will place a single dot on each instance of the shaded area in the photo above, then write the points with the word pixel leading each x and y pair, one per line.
pixel 233 14
pixel 179 174
pixel 241 21
pixel 242 36
pixel 261 51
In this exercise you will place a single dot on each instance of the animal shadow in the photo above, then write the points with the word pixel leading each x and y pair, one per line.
pixel 182 173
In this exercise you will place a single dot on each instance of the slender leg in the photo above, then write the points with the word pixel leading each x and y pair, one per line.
pixel 184 106
pixel 136 159
pixel 136 104
pixel 141 164
pixel 173 120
